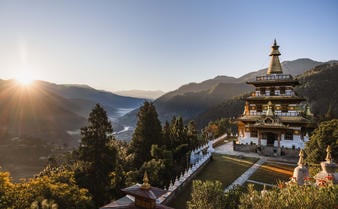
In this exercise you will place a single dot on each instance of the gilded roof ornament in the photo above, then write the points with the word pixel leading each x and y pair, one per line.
pixel 145 184
pixel 301 158
pixel 328 154
pixel 275 66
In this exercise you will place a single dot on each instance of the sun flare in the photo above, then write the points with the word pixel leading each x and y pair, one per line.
pixel 25 79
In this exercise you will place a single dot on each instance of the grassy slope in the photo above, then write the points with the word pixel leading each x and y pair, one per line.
pixel 272 173
pixel 223 168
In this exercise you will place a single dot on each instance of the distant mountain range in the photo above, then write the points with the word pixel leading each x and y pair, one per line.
pixel 151 95
pixel 50 111
pixel 318 85
pixel 47 115
pixel 193 99
pixel 55 112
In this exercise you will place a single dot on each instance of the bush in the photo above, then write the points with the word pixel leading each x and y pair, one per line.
pixel 292 196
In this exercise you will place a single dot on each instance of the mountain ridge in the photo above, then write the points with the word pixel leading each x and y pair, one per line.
pixel 318 85
pixel 192 99
pixel 143 94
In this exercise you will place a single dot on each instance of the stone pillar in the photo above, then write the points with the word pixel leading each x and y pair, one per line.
pixel 259 137
pixel 278 145
pixel 259 148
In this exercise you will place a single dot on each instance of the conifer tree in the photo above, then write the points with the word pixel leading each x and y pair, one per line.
pixel 192 135
pixel 177 131
pixel 148 132
pixel 98 155
pixel 166 135
pixel 326 134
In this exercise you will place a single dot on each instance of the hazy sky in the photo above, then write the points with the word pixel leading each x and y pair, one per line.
pixel 158 44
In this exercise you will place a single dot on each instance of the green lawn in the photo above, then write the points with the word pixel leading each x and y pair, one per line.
pixel 223 168
pixel 271 173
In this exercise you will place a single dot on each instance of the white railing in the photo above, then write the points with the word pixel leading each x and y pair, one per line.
pixel 188 174
pixel 286 114
pixel 273 77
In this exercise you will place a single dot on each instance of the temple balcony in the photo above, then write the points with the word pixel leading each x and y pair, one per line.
pixel 274 77
pixel 285 114
pixel 291 97
pixel 259 94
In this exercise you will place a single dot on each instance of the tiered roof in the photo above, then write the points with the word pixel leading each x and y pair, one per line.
pixel 139 197
pixel 274 79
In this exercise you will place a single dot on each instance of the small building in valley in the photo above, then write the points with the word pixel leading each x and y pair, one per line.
pixel 275 117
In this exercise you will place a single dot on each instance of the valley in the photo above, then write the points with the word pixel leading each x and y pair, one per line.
pixel 51 116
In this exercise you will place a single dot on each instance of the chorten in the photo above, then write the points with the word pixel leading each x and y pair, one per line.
pixel 301 172
pixel 274 115
pixel 275 66
pixel 328 172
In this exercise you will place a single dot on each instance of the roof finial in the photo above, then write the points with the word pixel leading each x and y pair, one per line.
pixel 145 184
pixel 275 66
pixel 328 154
pixel 301 158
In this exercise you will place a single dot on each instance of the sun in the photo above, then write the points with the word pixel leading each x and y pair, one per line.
pixel 25 79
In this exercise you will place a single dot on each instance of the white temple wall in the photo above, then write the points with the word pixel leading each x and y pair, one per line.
pixel 297 142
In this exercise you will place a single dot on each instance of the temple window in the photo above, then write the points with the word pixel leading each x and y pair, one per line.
pixel 282 90
pixel 288 135
pixel 253 133
pixel 277 92
pixel 284 108
pixel 263 91
pixel 289 92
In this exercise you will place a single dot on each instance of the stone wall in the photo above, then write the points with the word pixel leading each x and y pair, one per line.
pixel 245 147
pixel 290 152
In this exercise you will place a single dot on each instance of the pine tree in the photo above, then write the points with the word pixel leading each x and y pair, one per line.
pixel 326 134
pixel 166 135
pixel 148 132
pixel 192 135
pixel 98 155
pixel 177 131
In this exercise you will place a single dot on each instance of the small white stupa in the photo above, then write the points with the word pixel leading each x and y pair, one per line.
pixel 300 172
pixel 328 172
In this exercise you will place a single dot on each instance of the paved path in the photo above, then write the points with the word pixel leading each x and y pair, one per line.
pixel 246 175
pixel 227 148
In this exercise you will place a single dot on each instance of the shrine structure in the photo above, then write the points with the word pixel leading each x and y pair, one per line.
pixel 274 116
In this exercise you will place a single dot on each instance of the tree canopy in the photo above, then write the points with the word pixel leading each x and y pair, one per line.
pixel 148 131
pixel 326 134
pixel 98 155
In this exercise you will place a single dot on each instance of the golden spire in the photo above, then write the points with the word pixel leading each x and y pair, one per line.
pixel 145 184
pixel 301 158
pixel 275 66
pixel 328 154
